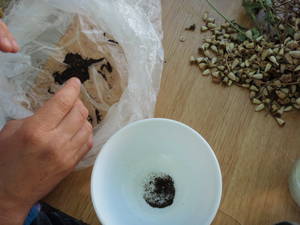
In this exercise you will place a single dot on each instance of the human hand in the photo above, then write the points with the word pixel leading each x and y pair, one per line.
pixel 36 153
pixel 7 41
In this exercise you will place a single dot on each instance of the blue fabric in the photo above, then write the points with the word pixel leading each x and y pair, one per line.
pixel 32 215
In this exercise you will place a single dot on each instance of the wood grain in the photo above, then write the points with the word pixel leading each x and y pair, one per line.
pixel 255 155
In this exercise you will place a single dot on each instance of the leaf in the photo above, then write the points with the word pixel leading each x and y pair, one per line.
pixel 290 31
pixel 255 33
pixel 241 37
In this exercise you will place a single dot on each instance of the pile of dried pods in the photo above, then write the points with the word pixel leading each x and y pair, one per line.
pixel 270 70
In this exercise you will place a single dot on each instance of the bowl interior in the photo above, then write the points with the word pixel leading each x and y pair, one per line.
pixel 156 146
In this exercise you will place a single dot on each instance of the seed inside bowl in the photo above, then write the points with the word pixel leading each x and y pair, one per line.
pixel 159 190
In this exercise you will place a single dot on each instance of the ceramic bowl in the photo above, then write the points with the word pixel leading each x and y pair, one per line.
pixel 155 147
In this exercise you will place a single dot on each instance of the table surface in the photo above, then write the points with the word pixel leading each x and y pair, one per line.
pixel 255 155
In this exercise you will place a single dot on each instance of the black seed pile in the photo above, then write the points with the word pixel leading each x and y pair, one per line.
pixel 159 191
pixel 77 67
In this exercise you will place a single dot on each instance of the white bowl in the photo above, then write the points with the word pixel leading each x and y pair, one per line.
pixel 156 146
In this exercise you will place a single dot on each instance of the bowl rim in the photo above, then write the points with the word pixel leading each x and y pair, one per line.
pixel 128 126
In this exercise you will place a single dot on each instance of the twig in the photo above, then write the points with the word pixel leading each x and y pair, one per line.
pixel 225 18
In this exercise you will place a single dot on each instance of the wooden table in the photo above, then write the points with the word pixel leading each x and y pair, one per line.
pixel 255 155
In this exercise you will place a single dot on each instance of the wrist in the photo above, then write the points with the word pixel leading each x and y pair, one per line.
pixel 13 214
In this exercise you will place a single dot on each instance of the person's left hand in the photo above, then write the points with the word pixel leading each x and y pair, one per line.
pixel 7 41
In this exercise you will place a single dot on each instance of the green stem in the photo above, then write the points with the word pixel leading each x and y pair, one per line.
pixel 225 18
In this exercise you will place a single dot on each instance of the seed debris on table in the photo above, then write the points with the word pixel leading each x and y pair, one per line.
pixel 269 69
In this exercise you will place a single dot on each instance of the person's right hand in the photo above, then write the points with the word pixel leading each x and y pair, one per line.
pixel 36 153
pixel 7 41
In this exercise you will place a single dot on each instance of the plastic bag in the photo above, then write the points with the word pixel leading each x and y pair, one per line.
pixel 127 32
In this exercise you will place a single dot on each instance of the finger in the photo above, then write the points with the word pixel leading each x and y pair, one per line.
pixel 84 150
pixel 7 42
pixel 72 123
pixel 81 137
pixel 54 111
pixel 14 45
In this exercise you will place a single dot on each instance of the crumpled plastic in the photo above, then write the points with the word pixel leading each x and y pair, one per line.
pixel 40 26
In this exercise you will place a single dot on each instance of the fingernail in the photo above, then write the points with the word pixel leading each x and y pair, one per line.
pixel 15 45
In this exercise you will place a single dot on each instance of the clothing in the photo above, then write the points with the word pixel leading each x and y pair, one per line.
pixel 43 214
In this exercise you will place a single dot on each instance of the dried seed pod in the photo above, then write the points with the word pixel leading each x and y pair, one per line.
pixel 248 34
pixel 211 25
pixel 253 57
pixel 232 76
pixel 285 90
pixel 211 20
pixel 280 121
pixel 252 94
pixel 258 48
pixel 222 68
pixel 225 80
pixel 274 107
pixel 205 16
pixel 246 85
pixel 268 67
pixel 281 94
pixel 192 59
pixel 235 63
pixel 249 45
pixel 281 27
pixel 202 66
pixel 256 101
pixel 203 28
pixel 205 46
pixel 229 83
pixel 206 72
pixel 260 107
pixel 287 40
pixel 267 101
pixel 215 73
pixel 297 68
pixel 297 36
pixel 288 108
pixel 208 54
pixel 253 88
pixel 296 106
pixel 258 76
pixel 260 38
pixel 293 88
pixel 281 51
pixel 182 39
pixel 298 101
pixel 292 44
pixel 281 110
pixel 247 64
pixel 214 60
pixel 295 54
pixel 273 60
pixel 282 68
pixel 214 48
pixel 288 58
pixel 266 53
pixel 199 59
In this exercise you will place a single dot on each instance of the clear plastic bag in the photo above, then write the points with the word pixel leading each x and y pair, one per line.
pixel 127 33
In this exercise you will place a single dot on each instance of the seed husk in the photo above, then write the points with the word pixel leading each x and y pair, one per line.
pixel 206 72
pixel 256 101
pixel 260 107
pixel 295 54
pixel 232 76
pixel 258 76
pixel 203 28
pixel 280 121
